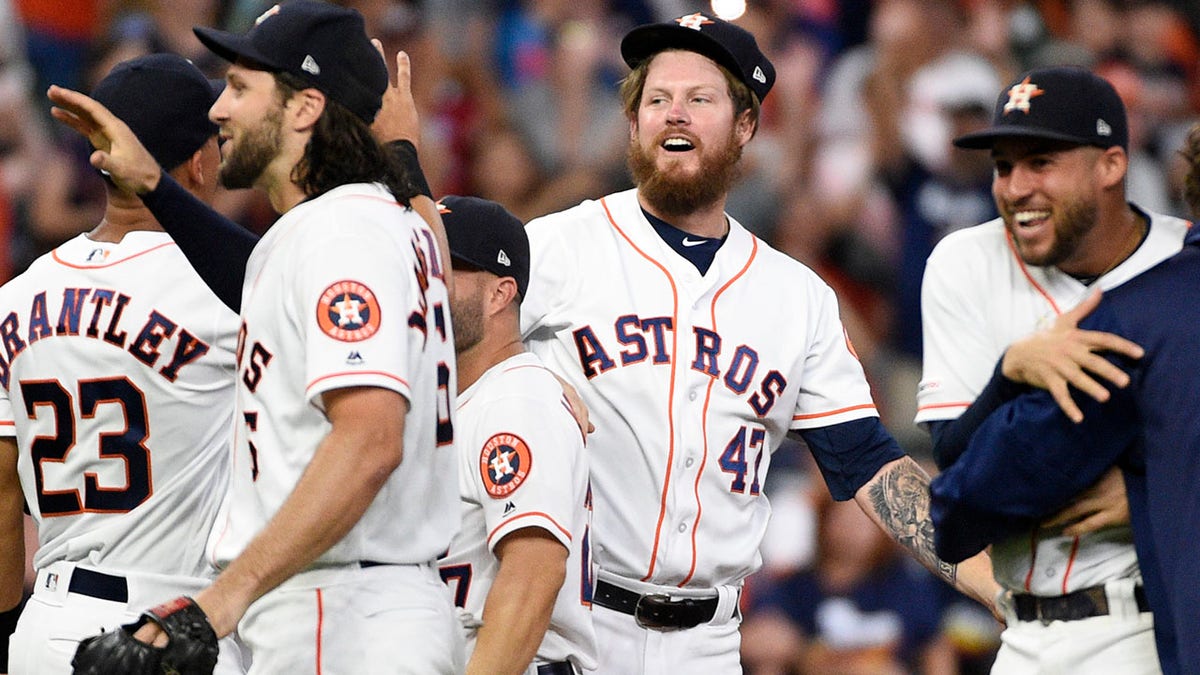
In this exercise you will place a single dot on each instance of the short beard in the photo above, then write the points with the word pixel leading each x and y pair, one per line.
pixel 467 319
pixel 253 153
pixel 671 194
pixel 1077 221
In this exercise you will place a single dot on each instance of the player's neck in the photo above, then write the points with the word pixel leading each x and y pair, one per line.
pixel 123 213
pixel 708 221
pixel 494 348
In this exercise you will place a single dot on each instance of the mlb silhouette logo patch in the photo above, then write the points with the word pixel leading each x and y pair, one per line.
pixel 348 311
pixel 504 463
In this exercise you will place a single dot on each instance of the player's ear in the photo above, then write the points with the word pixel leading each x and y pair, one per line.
pixel 306 106
pixel 745 126
pixel 1112 166
pixel 503 294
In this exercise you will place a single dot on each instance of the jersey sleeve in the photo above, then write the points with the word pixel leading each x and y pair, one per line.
pixel 958 356
pixel 553 276
pixel 833 386
pixel 525 473
pixel 363 307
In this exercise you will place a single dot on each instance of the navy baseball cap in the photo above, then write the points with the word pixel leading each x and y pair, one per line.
pixel 321 43
pixel 729 45
pixel 164 99
pixel 1061 103
pixel 484 234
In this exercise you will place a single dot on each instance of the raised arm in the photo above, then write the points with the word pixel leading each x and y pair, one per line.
pixel 215 246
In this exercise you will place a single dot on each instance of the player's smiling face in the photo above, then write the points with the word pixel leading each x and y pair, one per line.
pixel 1047 192
pixel 685 141
pixel 250 115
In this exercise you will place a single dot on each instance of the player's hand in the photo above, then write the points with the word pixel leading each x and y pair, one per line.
pixel 1102 505
pixel 118 152
pixel 397 119
pixel 1063 356
pixel 578 408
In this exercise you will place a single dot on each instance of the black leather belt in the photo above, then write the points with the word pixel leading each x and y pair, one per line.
pixel 1082 604
pixel 98 585
pixel 556 668
pixel 659 612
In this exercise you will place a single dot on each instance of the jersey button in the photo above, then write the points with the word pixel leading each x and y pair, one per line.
pixel 690 461
pixel 692 395
pixel 683 527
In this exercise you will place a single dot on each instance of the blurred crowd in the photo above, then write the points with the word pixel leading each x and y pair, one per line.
pixel 852 173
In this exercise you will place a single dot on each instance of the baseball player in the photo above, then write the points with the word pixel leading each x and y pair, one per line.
pixel 116 396
pixel 697 347
pixel 327 541
pixel 520 567
pixel 1059 145
pixel 1148 427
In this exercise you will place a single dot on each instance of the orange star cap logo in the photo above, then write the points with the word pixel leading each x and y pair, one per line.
pixel 1020 94
pixel 693 21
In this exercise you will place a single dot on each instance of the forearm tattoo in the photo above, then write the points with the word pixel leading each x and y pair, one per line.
pixel 900 497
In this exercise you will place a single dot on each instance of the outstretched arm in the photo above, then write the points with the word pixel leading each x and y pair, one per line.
pixel 12 544
pixel 897 499
pixel 215 246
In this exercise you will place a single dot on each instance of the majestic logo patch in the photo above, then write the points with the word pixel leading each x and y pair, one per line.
pixel 348 311
pixel 503 464
pixel 693 21
pixel 1020 94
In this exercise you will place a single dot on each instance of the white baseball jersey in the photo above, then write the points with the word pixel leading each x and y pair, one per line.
pixel 522 464
pixel 345 290
pixel 977 298
pixel 117 379
pixel 692 382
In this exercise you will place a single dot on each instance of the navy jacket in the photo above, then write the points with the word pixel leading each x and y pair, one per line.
pixel 1028 460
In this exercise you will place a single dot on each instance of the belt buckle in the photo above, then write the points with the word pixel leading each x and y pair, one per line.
pixel 642 608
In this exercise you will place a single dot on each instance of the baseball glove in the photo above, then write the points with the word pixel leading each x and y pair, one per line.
pixel 191 648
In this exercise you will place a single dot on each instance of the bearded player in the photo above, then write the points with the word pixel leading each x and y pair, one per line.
pixel 697 348
pixel 116 396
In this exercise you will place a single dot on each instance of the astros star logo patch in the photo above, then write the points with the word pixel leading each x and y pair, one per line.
pixel 504 463
pixel 693 21
pixel 1020 94
pixel 348 311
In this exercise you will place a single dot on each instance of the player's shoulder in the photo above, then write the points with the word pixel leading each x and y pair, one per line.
pixel 583 215
pixel 1172 225
pixel 771 263
pixel 984 242
pixel 523 375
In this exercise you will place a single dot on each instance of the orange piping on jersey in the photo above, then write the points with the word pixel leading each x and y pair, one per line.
pixel 531 514
pixel 830 413
pixel 9 423
pixel 704 413
pixel 320 627
pixel 935 406
pixel 1033 542
pixel 64 263
pixel 1028 277
pixel 1070 564
pixel 662 506
pixel 401 380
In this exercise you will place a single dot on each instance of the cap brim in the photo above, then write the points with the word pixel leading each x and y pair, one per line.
pixel 231 46
pixel 983 140
pixel 645 41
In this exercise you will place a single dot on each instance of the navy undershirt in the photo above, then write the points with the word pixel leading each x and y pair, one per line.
pixel 699 251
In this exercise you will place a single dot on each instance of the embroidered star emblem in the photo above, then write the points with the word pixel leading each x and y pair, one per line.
pixel 1020 94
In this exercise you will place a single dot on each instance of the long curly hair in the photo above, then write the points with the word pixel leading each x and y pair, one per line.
pixel 1191 181
pixel 343 150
